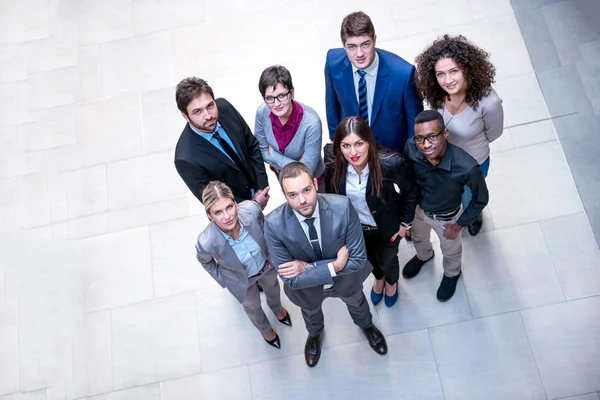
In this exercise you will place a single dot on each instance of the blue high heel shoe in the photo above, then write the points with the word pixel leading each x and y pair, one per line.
pixel 376 298
pixel 391 300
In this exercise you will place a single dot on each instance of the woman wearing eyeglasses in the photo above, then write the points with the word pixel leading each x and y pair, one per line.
pixel 382 189
pixel 286 130
pixel 455 77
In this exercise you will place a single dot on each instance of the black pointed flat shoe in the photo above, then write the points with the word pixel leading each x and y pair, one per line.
pixel 286 320
pixel 274 342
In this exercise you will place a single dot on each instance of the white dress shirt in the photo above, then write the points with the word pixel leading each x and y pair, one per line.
pixel 371 78
pixel 356 191
pixel 317 223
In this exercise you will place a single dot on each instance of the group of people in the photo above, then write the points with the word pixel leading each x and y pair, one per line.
pixel 392 171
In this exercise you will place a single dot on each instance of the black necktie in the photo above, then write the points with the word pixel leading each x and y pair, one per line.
pixel 234 157
pixel 363 107
pixel 314 238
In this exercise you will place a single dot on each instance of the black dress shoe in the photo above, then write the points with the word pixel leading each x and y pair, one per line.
pixel 274 342
pixel 286 320
pixel 312 350
pixel 376 340
pixel 475 227
pixel 447 288
pixel 413 267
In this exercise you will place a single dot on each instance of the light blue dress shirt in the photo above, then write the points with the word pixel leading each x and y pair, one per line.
pixel 211 138
pixel 247 251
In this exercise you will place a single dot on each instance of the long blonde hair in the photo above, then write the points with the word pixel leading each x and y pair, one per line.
pixel 213 192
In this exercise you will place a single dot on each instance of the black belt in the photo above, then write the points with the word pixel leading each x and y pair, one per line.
pixel 368 227
pixel 442 216
pixel 261 271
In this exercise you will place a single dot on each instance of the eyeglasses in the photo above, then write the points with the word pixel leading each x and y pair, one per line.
pixel 432 138
pixel 281 97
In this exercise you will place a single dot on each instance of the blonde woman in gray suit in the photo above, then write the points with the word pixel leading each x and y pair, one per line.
pixel 232 249
pixel 286 129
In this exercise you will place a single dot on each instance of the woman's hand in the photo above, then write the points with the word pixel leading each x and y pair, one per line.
pixel 401 233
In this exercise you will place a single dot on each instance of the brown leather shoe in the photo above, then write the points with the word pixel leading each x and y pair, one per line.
pixel 312 350
pixel 376 340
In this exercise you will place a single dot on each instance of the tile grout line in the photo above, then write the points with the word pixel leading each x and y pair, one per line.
pixel 198 332
pixel 437 368
pixel 151 263
pixel 533 354
pixel 141 115
pixel 562 289
pixel 250 381
pixel 112 350
pixel 19 343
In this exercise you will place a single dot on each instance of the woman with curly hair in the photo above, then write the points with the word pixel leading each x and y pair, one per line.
pixel 455 78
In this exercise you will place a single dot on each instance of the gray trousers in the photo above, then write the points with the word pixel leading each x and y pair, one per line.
pixel 357 306
pixel 252 307
pixel 451 249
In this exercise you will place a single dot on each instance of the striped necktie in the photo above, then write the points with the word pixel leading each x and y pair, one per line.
pixel 363 107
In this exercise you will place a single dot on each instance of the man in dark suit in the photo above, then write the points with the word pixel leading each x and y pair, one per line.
pixel 316 243
pixel 217 144
pixel 372 83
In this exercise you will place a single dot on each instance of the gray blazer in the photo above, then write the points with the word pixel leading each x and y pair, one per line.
pixel 306 142
pixel 218 258
pixel 339 226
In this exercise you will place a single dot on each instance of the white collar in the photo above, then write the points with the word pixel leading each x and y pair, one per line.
pixel 364 172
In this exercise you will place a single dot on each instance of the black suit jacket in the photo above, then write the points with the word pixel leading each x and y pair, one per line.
pixel 198 161
pixel 393 207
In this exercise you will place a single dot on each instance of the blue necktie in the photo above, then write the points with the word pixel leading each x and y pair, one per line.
pixel 363 107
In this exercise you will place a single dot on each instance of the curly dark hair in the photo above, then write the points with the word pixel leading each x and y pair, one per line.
pixel 477 69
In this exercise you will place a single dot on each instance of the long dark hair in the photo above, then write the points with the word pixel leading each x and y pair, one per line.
pixel 359 127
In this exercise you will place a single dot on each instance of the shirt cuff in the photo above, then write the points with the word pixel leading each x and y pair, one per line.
pixel 331 269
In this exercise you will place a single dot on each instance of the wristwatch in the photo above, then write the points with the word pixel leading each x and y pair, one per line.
pixel 406 226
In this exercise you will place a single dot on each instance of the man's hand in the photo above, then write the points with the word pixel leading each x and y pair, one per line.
pixel 292 269
pixel 342 259
pixel 452 231
pixel 262 198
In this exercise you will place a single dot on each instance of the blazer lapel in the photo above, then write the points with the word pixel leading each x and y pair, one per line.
pixel 224 251
pixel 256 233
pixel 380 88
pixel 326 216
pixel 372 201
pixel 342 188
pixel 209 149
pixel 298 234
pixel 349 85
pixel 234 134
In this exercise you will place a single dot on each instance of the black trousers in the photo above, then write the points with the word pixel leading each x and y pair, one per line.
pixel 383 255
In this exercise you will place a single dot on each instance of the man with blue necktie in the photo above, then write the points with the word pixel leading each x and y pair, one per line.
pixel 217 145
pixel 372 83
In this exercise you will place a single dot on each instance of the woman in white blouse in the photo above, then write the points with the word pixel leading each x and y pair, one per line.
pixel 455 77
pixel 382 189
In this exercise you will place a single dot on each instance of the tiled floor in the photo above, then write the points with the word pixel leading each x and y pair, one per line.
pixel 100 293
pixel 563 39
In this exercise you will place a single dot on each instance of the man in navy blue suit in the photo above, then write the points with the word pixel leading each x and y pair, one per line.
pixel 372 83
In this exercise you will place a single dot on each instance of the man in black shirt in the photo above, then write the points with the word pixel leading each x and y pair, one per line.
pixel 442 171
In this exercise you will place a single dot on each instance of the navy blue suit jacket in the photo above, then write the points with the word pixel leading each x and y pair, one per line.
pixel 396 102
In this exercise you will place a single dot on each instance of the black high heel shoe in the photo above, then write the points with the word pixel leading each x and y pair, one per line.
pixel 274 342
pixel 286 320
